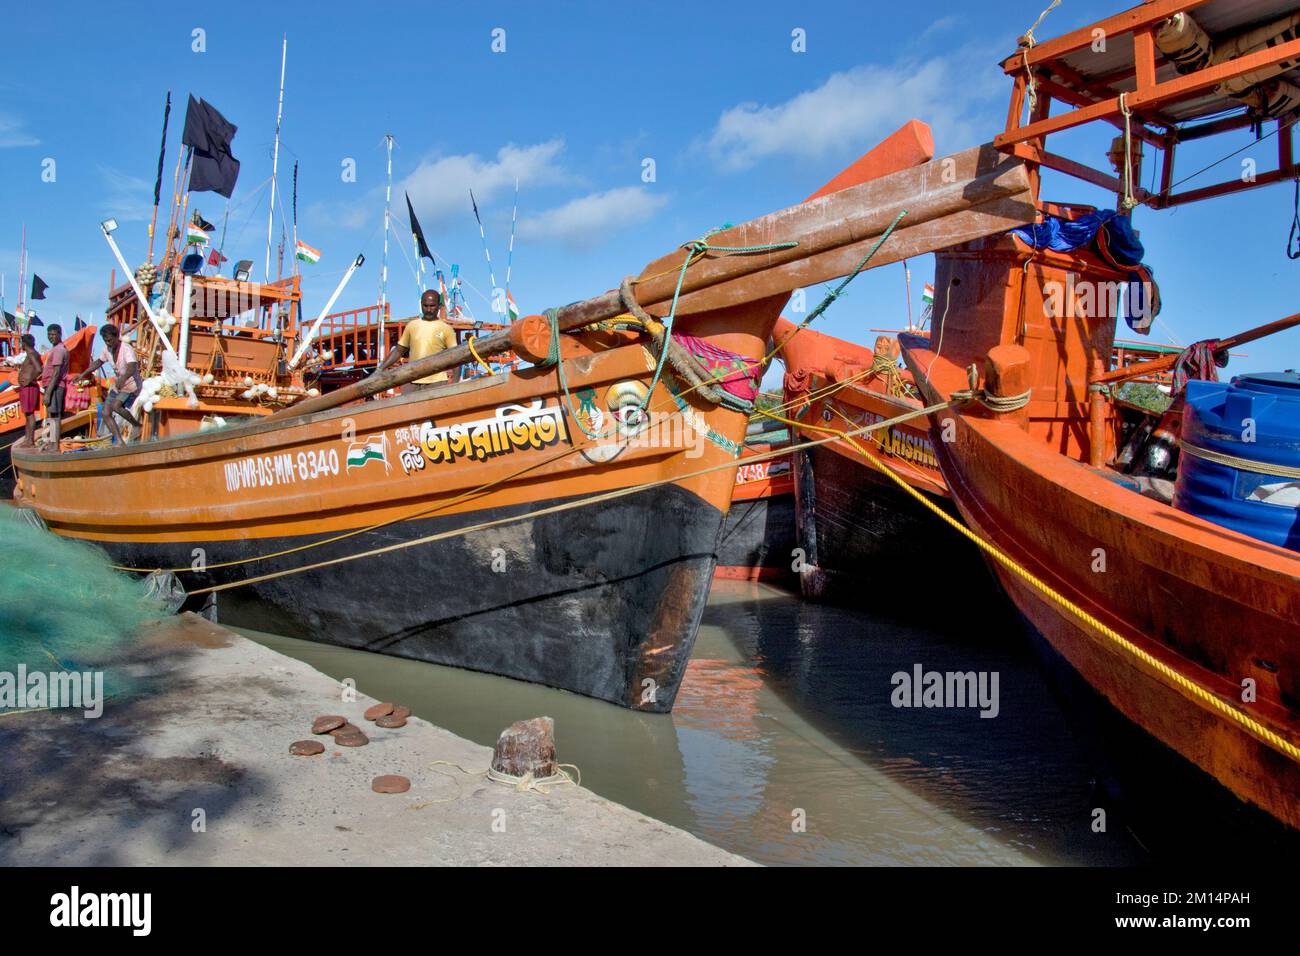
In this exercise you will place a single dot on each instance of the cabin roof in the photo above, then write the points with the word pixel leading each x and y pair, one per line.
pixel 1111 71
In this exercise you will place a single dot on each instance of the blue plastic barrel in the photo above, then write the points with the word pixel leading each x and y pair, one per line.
pixel 1254 418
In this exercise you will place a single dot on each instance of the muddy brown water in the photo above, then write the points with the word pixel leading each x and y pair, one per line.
pixel 786 745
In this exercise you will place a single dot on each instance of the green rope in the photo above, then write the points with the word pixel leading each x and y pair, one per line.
pixel 835 293
pixel 692 247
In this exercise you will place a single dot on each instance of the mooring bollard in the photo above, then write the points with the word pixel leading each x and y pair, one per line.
pixel 526 747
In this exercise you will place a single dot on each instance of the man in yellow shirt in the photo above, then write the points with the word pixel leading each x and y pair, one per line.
pixel 422 337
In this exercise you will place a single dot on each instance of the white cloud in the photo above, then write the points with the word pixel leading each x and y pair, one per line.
pixel 856 108
pixel 126 198
pixel 440 185
pixel 13 134
pixel 588 219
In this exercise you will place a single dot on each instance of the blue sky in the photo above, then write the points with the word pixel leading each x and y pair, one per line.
pixel 737 123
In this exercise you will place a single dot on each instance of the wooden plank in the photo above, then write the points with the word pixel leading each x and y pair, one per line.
pixel 1144 58
pixel 974 222
pixel 1228 188
pixel 1075 169
pixel 938 188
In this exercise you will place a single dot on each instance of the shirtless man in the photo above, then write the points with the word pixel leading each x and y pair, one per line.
pixel 29 385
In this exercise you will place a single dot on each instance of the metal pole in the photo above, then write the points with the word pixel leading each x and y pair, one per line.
pixel 22 272
pixel 184 351
pixel 275 156
pixel 907 281
pixel 135 287
pixel 510 253
pixel 315 326
pixel 486 254
pixel 383 266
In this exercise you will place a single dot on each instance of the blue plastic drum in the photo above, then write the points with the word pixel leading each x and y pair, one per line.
pixel 1240 465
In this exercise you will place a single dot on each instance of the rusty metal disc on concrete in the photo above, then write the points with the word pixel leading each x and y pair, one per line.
pixel 379 710
pixel 390 722
pixel 390 783
pixel 400 711
pixel 327 722
pixel 306 748
pixel 345 728
pixel 352 740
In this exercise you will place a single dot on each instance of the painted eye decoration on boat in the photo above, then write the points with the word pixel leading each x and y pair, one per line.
pixel 625 401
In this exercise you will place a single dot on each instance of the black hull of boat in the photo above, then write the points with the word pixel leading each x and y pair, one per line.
pixel 603 601
pixel 860 534
pixel 758 540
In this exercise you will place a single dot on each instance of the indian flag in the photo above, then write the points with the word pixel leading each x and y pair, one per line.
pixel 927 294
pixel 371 450
pixel 195 236
pixel 512 310
pixel 306 253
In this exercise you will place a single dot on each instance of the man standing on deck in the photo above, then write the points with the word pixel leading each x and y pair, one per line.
pixel 126 381
pixel 29 387
pixel 53 379
pixel 422 337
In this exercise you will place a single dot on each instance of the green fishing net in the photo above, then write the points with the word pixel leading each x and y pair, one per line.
pixel 62 606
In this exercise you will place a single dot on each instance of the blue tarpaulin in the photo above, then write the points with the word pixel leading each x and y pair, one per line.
pixel 1065 235
pixel 1114 239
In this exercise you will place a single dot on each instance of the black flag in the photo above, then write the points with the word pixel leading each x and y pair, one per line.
pixel 78 325
pixel 203 223
pixel 209 133
pixel 418 232
pixel 33 320
pixel 11 321
pixel 38 287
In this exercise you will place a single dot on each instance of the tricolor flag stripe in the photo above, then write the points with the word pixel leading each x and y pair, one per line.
pixel 370 451
pixel 306 253
pixel 927 293
pixel 512 310
pixel 194 235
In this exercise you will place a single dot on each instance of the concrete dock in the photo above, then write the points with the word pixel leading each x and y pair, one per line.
pixel 192 767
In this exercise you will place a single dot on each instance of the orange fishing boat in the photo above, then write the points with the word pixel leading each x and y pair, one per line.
pixel 1189 627
pixel 556 523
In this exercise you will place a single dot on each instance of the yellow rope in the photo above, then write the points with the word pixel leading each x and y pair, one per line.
pixel 1201 694
pixel 1245 464
pixel 478 358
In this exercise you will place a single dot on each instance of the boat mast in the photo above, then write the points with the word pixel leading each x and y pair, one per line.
pixel 295 217
pixel 510 252
pixel 22 273
pixel 157 183
pixel 486 254
pixel 907 283
pixel 275 156
pixel 383 265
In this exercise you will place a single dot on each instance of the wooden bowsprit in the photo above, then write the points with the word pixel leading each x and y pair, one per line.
pixel 969 195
